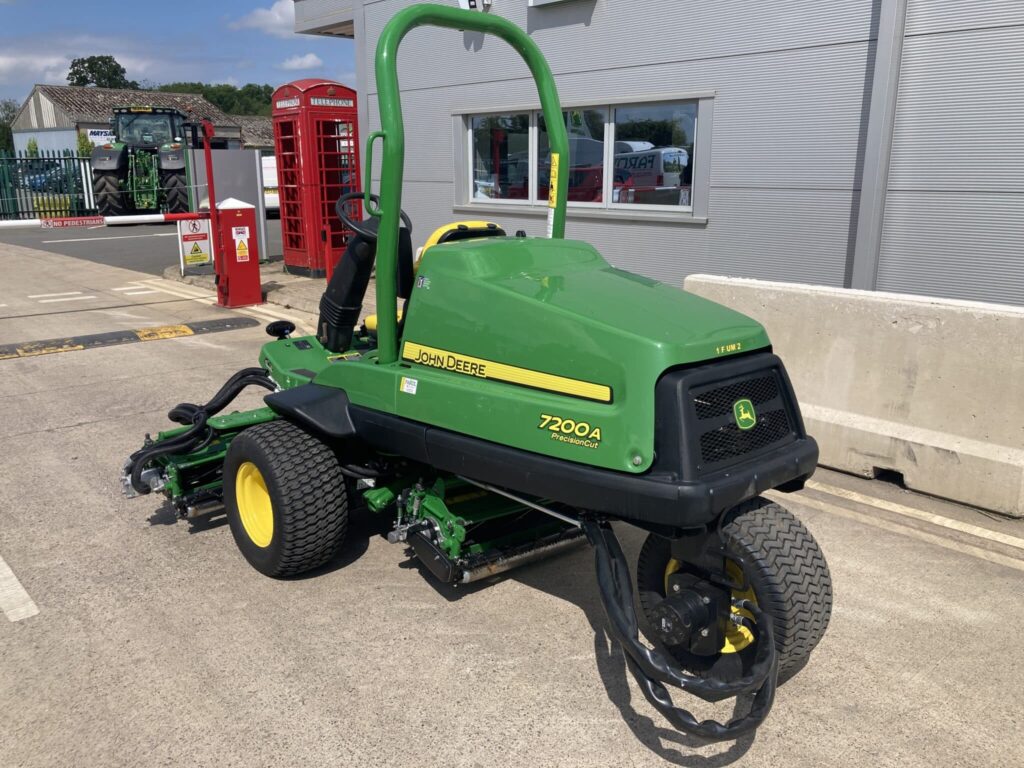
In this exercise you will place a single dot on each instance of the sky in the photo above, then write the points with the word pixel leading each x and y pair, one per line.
pixel 218 41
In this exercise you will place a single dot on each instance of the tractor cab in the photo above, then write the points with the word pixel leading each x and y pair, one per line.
pixel 148 126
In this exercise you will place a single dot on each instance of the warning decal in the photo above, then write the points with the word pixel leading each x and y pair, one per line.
pixel 194 243
pixel 241 238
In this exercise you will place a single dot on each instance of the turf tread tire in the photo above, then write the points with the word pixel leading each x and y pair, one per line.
pixel 790 578
pixel 308 492
pixel 106 191
pixel 175 191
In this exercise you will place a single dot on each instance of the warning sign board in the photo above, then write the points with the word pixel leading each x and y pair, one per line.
pixel 194 243
pixel 241 238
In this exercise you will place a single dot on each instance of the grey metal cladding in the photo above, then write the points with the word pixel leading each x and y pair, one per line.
pixel 594 36
pixel 958 245
pixel 960 113
pixel 317 14
pixel 954 217
pixel 930 16
pixel 788 119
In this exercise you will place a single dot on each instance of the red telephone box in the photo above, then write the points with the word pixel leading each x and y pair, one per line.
pixel 316 141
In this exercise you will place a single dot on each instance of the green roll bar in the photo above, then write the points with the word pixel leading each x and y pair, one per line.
pixel 392 134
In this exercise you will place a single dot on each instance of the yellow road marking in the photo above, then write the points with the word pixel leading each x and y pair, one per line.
pixel 163 332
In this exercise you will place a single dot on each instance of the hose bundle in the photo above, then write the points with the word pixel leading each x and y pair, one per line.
pixel 651 669
pixel 195 416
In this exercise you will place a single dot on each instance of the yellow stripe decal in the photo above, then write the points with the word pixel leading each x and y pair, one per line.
pixel 488 369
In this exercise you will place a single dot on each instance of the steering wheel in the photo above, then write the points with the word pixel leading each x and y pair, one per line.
pixel 361 227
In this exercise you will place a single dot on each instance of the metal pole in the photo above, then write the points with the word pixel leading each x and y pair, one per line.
pixel 878 144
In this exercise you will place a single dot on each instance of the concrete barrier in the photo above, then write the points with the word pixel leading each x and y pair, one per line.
pixel 930 388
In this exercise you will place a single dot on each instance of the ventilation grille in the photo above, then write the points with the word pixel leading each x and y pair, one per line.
pixel 722 442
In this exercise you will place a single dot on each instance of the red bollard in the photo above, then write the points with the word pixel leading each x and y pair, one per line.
pixel 238 264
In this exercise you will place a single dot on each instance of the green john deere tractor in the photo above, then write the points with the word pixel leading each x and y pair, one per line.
pixel 143 169
pixel 522 397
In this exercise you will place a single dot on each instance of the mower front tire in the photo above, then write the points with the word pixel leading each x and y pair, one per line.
pixel 789 581
pixel 285 498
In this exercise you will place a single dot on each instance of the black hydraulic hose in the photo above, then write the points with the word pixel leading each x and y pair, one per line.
pixel 198 435
pixel 651 669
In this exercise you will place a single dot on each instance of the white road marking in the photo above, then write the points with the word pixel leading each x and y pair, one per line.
pixel 112 237
pixel 128 288
pixel 914 533
pixel 186 291
pixel 919 514
pixel 47 295
pixel 69 298
pixel 14 600
pixel 139 293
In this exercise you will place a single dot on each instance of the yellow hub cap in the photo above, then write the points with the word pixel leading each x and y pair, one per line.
pixel 254 507
pixel 736 637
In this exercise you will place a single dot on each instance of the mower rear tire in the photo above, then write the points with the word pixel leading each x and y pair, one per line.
pixel 106 190
pixel 175 191
pixel 286 498
pixel 789 579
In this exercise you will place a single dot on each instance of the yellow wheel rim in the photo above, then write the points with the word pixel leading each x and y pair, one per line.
pixel 254 507
pixel 736 637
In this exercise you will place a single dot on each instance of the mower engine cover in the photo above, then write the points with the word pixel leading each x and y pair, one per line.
pixel 542 345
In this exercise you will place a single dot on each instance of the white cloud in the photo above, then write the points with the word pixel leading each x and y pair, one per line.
pixel 277 20
pixel 26 66
pixel 309 61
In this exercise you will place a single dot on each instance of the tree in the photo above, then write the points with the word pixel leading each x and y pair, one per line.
pixel 101 71
pixel 250 99
pixel 84 145
pixel 32 147
pixel 8 111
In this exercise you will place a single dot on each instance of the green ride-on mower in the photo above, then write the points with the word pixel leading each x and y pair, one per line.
pixel 526 396
pixel 144 167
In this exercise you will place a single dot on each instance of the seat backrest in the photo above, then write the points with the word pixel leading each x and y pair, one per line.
pixel 461 230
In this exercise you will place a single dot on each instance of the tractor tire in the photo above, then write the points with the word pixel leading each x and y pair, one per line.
pixel 789 579
pixel 175 191
pixel 106 190
pixel 285 498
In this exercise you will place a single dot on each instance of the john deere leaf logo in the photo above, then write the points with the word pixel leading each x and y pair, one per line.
pixel 743 411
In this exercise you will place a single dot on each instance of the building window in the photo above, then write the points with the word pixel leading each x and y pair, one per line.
pixel 586 129
pixel 621 156
pixel 654 154
pixel 500 156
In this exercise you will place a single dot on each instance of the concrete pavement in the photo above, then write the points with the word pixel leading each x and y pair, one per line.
pixel 156 644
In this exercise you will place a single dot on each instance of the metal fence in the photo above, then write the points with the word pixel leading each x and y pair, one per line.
pixel 45 185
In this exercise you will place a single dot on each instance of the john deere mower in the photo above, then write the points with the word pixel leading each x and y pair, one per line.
pixel 144 167
pixel 515 397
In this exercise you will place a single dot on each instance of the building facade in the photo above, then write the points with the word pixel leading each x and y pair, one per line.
pixel 871 144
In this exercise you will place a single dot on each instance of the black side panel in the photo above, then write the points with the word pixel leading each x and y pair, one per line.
pixel 433 558
pixel 172 159
pixel 108 159
pixel 391 434
pixel 321 410
pixel 654 498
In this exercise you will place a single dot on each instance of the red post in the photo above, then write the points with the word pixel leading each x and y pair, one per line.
pixel 219 256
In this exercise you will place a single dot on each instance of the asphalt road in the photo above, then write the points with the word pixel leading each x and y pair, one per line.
pixel 148 248
pixel 154 643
